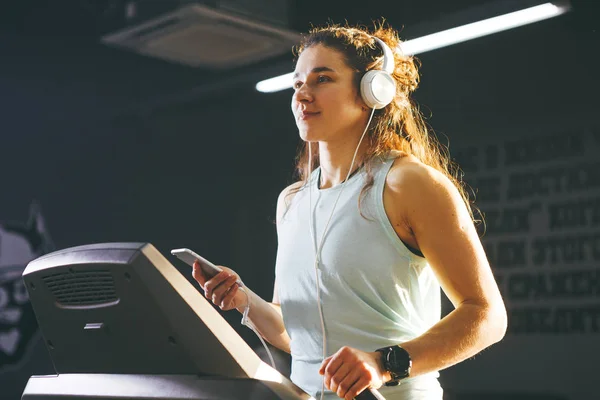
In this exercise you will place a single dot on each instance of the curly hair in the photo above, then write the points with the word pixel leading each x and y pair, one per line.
pixel 398 126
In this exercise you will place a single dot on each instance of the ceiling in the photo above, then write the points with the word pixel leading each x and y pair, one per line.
pixel 63 38
pixel 88 18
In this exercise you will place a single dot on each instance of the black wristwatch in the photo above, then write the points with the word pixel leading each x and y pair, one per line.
pixel 397 362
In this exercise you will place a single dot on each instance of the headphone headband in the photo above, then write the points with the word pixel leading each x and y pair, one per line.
pixel 388 56
pixel 377 86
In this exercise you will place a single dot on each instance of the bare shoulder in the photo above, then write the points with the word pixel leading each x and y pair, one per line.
pixel 409 170
pixel 285 197
pixel 414 178
pixel 418 190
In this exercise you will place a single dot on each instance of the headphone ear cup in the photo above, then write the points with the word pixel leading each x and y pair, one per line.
pixel 377 89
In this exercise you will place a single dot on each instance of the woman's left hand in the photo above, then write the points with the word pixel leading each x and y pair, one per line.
pixel 350 371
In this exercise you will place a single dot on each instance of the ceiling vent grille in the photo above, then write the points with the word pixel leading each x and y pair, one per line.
pixel 200 36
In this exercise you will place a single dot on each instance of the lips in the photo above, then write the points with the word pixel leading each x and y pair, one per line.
pixel 304 115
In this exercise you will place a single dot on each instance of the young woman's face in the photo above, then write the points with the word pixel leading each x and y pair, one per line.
pixel 326 105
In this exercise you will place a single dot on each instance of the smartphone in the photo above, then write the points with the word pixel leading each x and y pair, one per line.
pixel 188 257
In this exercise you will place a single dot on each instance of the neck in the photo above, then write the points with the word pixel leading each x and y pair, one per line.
pixel 336 160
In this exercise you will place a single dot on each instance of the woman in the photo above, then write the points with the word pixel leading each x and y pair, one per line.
pixel 376 224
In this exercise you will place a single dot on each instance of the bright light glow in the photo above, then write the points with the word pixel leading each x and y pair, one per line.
pixel 450 37
pixel 276 84
pixel 265 373
pixel 482 28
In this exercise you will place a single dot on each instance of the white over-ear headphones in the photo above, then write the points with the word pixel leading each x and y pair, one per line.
pixel 378 87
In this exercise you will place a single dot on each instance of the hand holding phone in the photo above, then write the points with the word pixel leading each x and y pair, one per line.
pixel 223 291
pixel 188 257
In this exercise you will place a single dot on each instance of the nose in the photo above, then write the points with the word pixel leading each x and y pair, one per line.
pixel 303 94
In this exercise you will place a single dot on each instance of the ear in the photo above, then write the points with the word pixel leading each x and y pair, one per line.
pixel 36 227
pixel 35 222
pixel 361 103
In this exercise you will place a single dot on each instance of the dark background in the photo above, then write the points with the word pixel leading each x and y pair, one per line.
pixel 120 147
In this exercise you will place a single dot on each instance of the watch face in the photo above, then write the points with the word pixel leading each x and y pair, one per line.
pixel 399 362
pixel 393 359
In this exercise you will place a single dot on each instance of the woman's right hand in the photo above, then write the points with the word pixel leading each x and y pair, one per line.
pixel 222 289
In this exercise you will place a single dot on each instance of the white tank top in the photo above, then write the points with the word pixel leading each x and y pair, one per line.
pixel 375 292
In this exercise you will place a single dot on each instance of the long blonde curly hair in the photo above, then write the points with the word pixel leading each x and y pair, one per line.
pixel 398 126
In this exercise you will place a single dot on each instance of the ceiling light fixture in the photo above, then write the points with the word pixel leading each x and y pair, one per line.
pixel 451 36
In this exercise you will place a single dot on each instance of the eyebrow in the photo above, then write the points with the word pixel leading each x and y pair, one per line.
pixel 315 70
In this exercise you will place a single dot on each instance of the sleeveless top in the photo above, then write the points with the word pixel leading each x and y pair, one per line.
pixel 374 291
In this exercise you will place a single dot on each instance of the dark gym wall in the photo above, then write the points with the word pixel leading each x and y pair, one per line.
pixel 205 173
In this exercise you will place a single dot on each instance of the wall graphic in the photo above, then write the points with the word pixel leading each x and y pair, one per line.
pixel 19 244
pixel 540 195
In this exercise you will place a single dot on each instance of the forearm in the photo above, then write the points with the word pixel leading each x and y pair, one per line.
pixel 268 321
pixel 464 332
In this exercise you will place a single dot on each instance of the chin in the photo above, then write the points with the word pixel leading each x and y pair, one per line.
pixel 309 135
pixel 304 136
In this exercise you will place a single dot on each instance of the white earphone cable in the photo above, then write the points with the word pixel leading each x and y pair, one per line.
pixel 248 323
pixel 245 321
pixel 313 237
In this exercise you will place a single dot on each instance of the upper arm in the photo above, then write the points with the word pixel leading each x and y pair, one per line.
pixel 282 203
pixel 444 231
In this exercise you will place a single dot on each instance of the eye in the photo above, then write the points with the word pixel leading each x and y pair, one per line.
pixel 323 78
pixel 297 84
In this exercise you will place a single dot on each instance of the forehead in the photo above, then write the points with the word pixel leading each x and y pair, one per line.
pixel 321 56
